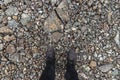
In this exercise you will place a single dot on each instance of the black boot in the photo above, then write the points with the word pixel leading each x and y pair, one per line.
pixel 71 73
pixel 49 72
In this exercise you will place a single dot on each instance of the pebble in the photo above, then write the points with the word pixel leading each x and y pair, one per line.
pixel 10 49
pixel 9 18
pixel 1 46
pixel 86 68
pixel 115 72
pixel 110 17
pixel 12 23
pixel 117 39
pixel 84 76
pixel 16 57
pixel 25 18
pixel 35 50
pixel 93 64
pixel 7 1
pixel 15 17
pixel 1 17
pixel 9 38
pixel 53 1
pixel 11 11
pixel 106 67
pixel 5 29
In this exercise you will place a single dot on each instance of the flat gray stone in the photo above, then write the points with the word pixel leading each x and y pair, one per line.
pixel 106 68
pixel 12 23
pixel 25 18
pixel 7 1
pixel 11 11
pixel 62 10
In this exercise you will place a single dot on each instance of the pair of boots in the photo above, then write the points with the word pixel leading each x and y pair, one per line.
pixel 49 71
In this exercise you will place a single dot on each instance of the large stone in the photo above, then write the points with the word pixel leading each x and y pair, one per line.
pixel 11 11
pixel 62 11
pixel 52 23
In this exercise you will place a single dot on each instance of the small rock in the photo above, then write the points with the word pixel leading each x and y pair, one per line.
pixel 74 29
pixel 86 68
pixel 35 50
pixel 1 46
pixel 84 76
pixel 25 18
pixel 77 50
pixel 115 72
pixel 12 23
pixel 9 18
pixel 11 11
pixel 110 17
pixel 106 68
pixel 9 38
pixel 93 64
pixel 10 49
pixel 5 29
pixel 15 57
pixel 1 15
pixel 7 1
pixel 53 2
pixel 15 17
pixel 117 39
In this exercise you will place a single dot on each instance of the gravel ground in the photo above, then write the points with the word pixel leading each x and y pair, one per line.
pixel 91 27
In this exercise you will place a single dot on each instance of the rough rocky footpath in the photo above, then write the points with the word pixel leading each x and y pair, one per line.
pixel 91 27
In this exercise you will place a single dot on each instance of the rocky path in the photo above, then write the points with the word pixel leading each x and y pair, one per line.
pixel 91 27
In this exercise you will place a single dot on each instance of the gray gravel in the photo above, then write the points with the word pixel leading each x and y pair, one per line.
pixel 91 27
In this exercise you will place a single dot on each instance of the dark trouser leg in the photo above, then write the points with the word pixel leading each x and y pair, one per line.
pixel 49 72
pixel 71 73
